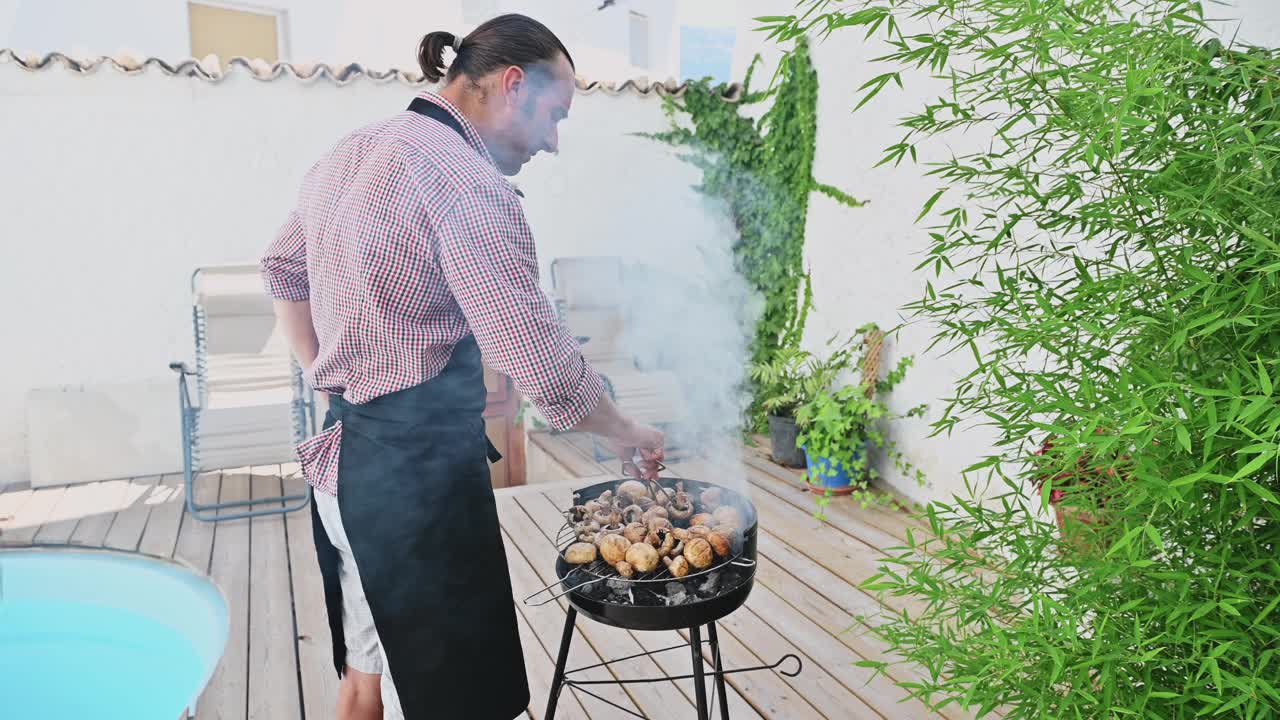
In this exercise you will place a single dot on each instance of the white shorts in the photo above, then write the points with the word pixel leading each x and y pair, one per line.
pixel 364 650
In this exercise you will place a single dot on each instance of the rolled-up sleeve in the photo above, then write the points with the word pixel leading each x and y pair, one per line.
pixel 284 265
pixel 487 254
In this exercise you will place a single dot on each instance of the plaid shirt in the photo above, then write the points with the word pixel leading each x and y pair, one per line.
pixel 405 239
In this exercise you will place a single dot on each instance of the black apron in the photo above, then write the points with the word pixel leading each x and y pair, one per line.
pixel 415 498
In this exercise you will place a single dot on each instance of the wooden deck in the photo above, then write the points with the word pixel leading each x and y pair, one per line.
pixel 277 664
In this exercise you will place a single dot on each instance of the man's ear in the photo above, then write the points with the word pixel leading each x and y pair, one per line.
pixel 513 81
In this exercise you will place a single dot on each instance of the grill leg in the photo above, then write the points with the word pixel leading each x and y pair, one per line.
pixel 719 668
pixel 699 685
pixel 557 682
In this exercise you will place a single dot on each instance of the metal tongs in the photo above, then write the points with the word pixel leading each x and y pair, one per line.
pixel 639 468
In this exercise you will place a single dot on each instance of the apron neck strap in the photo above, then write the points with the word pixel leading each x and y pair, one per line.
pixel 423 106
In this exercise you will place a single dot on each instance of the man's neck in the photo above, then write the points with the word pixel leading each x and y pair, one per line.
pixel 470 105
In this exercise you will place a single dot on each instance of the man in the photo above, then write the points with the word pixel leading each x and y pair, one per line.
pixel 406 259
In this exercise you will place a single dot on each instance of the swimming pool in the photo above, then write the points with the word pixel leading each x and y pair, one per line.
pixel 104 635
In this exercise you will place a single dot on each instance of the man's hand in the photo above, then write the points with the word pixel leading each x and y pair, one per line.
pixel 627 438
pixel 640 448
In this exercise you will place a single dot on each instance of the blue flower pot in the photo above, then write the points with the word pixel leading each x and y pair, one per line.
pixel 825 475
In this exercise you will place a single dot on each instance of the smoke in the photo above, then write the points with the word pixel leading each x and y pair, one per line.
pixel 693 320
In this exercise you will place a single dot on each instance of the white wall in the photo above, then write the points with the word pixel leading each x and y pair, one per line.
pixel 117 186
pixel 597 39
pixel 156 28
pixel 176 173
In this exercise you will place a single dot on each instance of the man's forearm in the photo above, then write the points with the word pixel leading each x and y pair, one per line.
pixel 295 320
pixel 606 421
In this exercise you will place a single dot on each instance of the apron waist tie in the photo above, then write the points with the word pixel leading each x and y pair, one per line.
pixel 318 454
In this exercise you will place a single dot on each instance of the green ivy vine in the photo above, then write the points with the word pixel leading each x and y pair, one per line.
pixel 763 171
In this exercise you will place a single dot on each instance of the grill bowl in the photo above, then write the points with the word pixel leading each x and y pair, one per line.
pixel 592 599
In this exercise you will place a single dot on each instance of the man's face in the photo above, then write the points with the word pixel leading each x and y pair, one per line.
pixel 530 106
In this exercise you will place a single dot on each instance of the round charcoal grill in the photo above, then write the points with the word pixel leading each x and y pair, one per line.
pixel 659 601
pixel 710 594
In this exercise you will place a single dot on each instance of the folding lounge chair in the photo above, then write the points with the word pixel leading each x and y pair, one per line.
pixel 249 404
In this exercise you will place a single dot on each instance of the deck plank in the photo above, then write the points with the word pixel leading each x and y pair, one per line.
pixel 576 463
pixel 92 529
pixel 764 689
pixel 835 657
pixel 26 522
pixel 894 520
pixel 75 502
pixel 126 531
pixel 792 584
pixel 540 660
pixel 546 515
pixel 548 620
pixel 314 645
pixel 273 655
pixel 814 683
pixel 226 697
pixel 195 537
pixel 872 527
pixel 160 537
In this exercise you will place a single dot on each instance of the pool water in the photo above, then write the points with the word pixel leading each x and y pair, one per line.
pixel 104 635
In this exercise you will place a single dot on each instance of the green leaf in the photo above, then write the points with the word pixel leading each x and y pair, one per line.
pixel 1252 466
pixel 1184 437
pixel 1260 491
pixel 1263 379
pixel 1124 541
pixel 929 204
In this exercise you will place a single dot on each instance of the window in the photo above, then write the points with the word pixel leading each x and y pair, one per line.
pixel 475 12
pixel 228 31
pixel 706 52
pixel 638 29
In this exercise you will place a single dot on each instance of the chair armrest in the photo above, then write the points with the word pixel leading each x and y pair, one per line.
pixel 181 368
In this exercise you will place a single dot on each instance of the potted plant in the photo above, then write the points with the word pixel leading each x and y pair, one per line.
pixel 839 428
pixel 1077 480
pixel 791 378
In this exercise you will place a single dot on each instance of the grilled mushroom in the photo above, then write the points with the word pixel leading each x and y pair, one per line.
pixel 587 530
pixel 702 519
pixel 654 512
pixel 729 531
pixel 605 498
pixel 680 533
pixel 632 514
pixel 632 489
pixel 615 529
pixel 699 531
pixel 659 523
pixel 645 502
pixel 635 532
pixel 710 499
pixel 578 513
pixel 727 515
pixel 681 507
pixel 580 553
pixel 668 542
pixel 659 493
pixel 643 557
pixel 678 566
pixel 720 544
pixel 699 553
pixel 624 569
pixel 613 548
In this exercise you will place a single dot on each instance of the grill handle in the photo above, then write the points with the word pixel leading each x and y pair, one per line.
pixel 557 596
